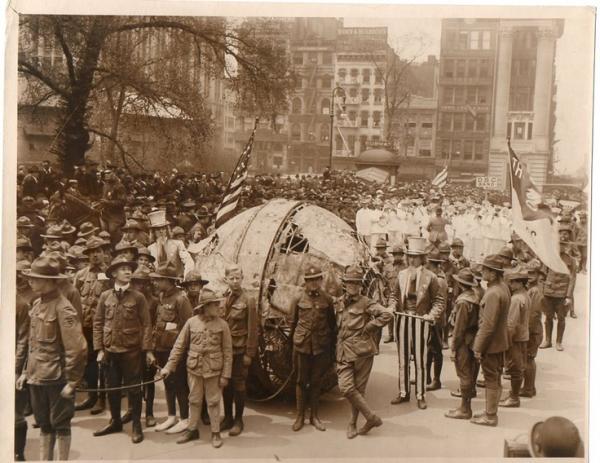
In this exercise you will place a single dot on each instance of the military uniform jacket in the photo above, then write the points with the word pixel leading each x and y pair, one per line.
pixel 72 295
pixel 459 263
pixel 518 316
pixel 444 292
pixel 561 284
pixel 430 300
pixel 172 311
pixel 22 333
pixel 466 319
pixel 57 350
pixel 313 323
pixel 536 296
pixel 208 347
pixel 357 319
pixel 90 288
pixel 492 332
pixel 122 324
pixel 242 317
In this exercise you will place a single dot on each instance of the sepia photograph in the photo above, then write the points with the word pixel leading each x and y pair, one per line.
pixel 272 232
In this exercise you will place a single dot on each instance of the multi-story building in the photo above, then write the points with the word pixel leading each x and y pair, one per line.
pixel 496 81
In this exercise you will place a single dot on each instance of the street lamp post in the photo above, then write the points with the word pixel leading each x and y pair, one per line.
pixel 335 91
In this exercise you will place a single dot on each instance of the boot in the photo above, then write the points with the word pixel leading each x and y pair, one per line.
pixel 528 389
pixel 351 431
pixel 548 340
pixel 100 405
pixel 189 435
pixel 314 412
pixel 91 400
pixel 226 423
pixel 464 412
pixel 512 401
pixel 238 423
pixel 47 446
pixel 113 426
pixel 490 417
pixel 560 331
pixel 373 422
pixel 300 408
pixel 137 435
pixel 20 440
pixel 64 447
pixel 400 399
pixel 216 440
pixel 436 384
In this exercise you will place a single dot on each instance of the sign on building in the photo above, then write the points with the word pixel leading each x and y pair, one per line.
pixel 488 183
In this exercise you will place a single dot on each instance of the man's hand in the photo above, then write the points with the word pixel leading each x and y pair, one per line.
pixel 68 391
pixel 223 382
pixel 247 360
pixel 428 318
pixel 164 373
pixel 21 380
pixel 567 301
pixel 101 358
pixel 150 358
pixel 477 356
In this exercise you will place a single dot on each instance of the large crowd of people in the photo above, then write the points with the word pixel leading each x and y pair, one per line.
pixel 108 293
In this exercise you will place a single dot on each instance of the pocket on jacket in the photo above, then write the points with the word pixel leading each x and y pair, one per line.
pixel 238 311
pixel 215 361
pixel 48 365
pixel 129 312
pixel 46 328
pixel 364 346
pixel 192 360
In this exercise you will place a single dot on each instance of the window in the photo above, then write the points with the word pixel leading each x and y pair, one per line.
pixel 378 96
pixel 481 122
pixel 482 95
pixel 474 40
pixel 352 116
pixel 375 138
pixel 445 154
pixel 468 149
pixel 230 122
pixel 484 68
pixel 327 58
pixel 325 82
pixel 509 129
pixel 351 140
pixel 458 121
pixel 354 75
pixel 324 132
pixel 478 150
pixel 364 93
pixel 366 73
pixel 449 68
pixel 521 99
pixel 376 119
pixel 451 39
pixel 364 118
pixel 486 40
pixel 298 59
pixel 427 125
pixel 296 132
pixel 296 106
pixel 472 68
pixel 469 122
pixel 424 153
pixel 363 143
pixel 312 57
pixel 339 143
pixel 460 67
pixel 448 95
pixel 471 95
pixel 378 77
pixel 529 130
pixel 325 103
pixel 456 149
pixel 446 123
pixel 459 95
pixel 519 131
pixel 463 40
pixel 342 74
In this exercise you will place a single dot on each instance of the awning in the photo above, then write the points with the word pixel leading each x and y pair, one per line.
pixel 373 174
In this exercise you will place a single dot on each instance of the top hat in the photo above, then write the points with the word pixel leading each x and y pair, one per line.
pixel 494 262
pixel 555 437
pixel 45 267
pixel 416 246
pixel 353 273
pixel 158 219
pixel 312 273
pixel 119 261
pixel 466 277
pixel 86 229
pixel 194 276
pixel 166 270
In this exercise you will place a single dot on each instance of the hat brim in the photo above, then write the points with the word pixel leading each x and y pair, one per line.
pixel 415 253
pixel 313 277
pixel 501 270
pixel 352 280
pixel 68 231
pixel 88 233
pixel 149 256
pixel 465 282
pixel 111 268
pixel 161 225
pixel 202 304
pixel 165 277
pixel 436 260
pixel 202 282
pixel 30 274
pixel 25 247
pixel 54 237
pixel 28 225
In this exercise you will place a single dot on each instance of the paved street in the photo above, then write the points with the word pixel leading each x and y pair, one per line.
pixel 407 431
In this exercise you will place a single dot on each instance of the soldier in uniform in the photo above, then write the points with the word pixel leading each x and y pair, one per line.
pixel 242 317
pixel 435 357
pixel 536 330
pixel 172 311
pixel 113 202
pixel 358 319
pixel 56 358
pixel 145 258
pixel 90 287
pixel 131 231
pixel 21 344
pixel 206 340
pixel 456 257
pixel 312 334
pixel 518 333
pixel 122 334
pixel 449 270
pixel 558 297
pixel 466 313
pixel 416 293
pixel 24 250
pixel 193 284
pixel 491 340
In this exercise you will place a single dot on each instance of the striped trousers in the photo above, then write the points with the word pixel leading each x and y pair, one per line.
pixel 412 335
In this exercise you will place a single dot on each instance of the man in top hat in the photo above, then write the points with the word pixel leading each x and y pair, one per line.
pixel 242 317
pixel 391 274
pixel 518 333
pixel 21 345
pixel 172 311
pixel 491 340
pixel 537 273
pixel 206 341
pixel 91 282
pixel 465 323
pixel 165 248
pixel 558 295
pixel 358 321
pixel 418 303
pixel 313 334
pixel 56 358
pixel 122 337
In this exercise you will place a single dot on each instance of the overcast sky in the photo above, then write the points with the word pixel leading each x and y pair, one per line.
pixel 574 74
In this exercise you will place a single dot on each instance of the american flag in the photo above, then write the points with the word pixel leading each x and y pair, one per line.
pixel 441 179
pixel 236 183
